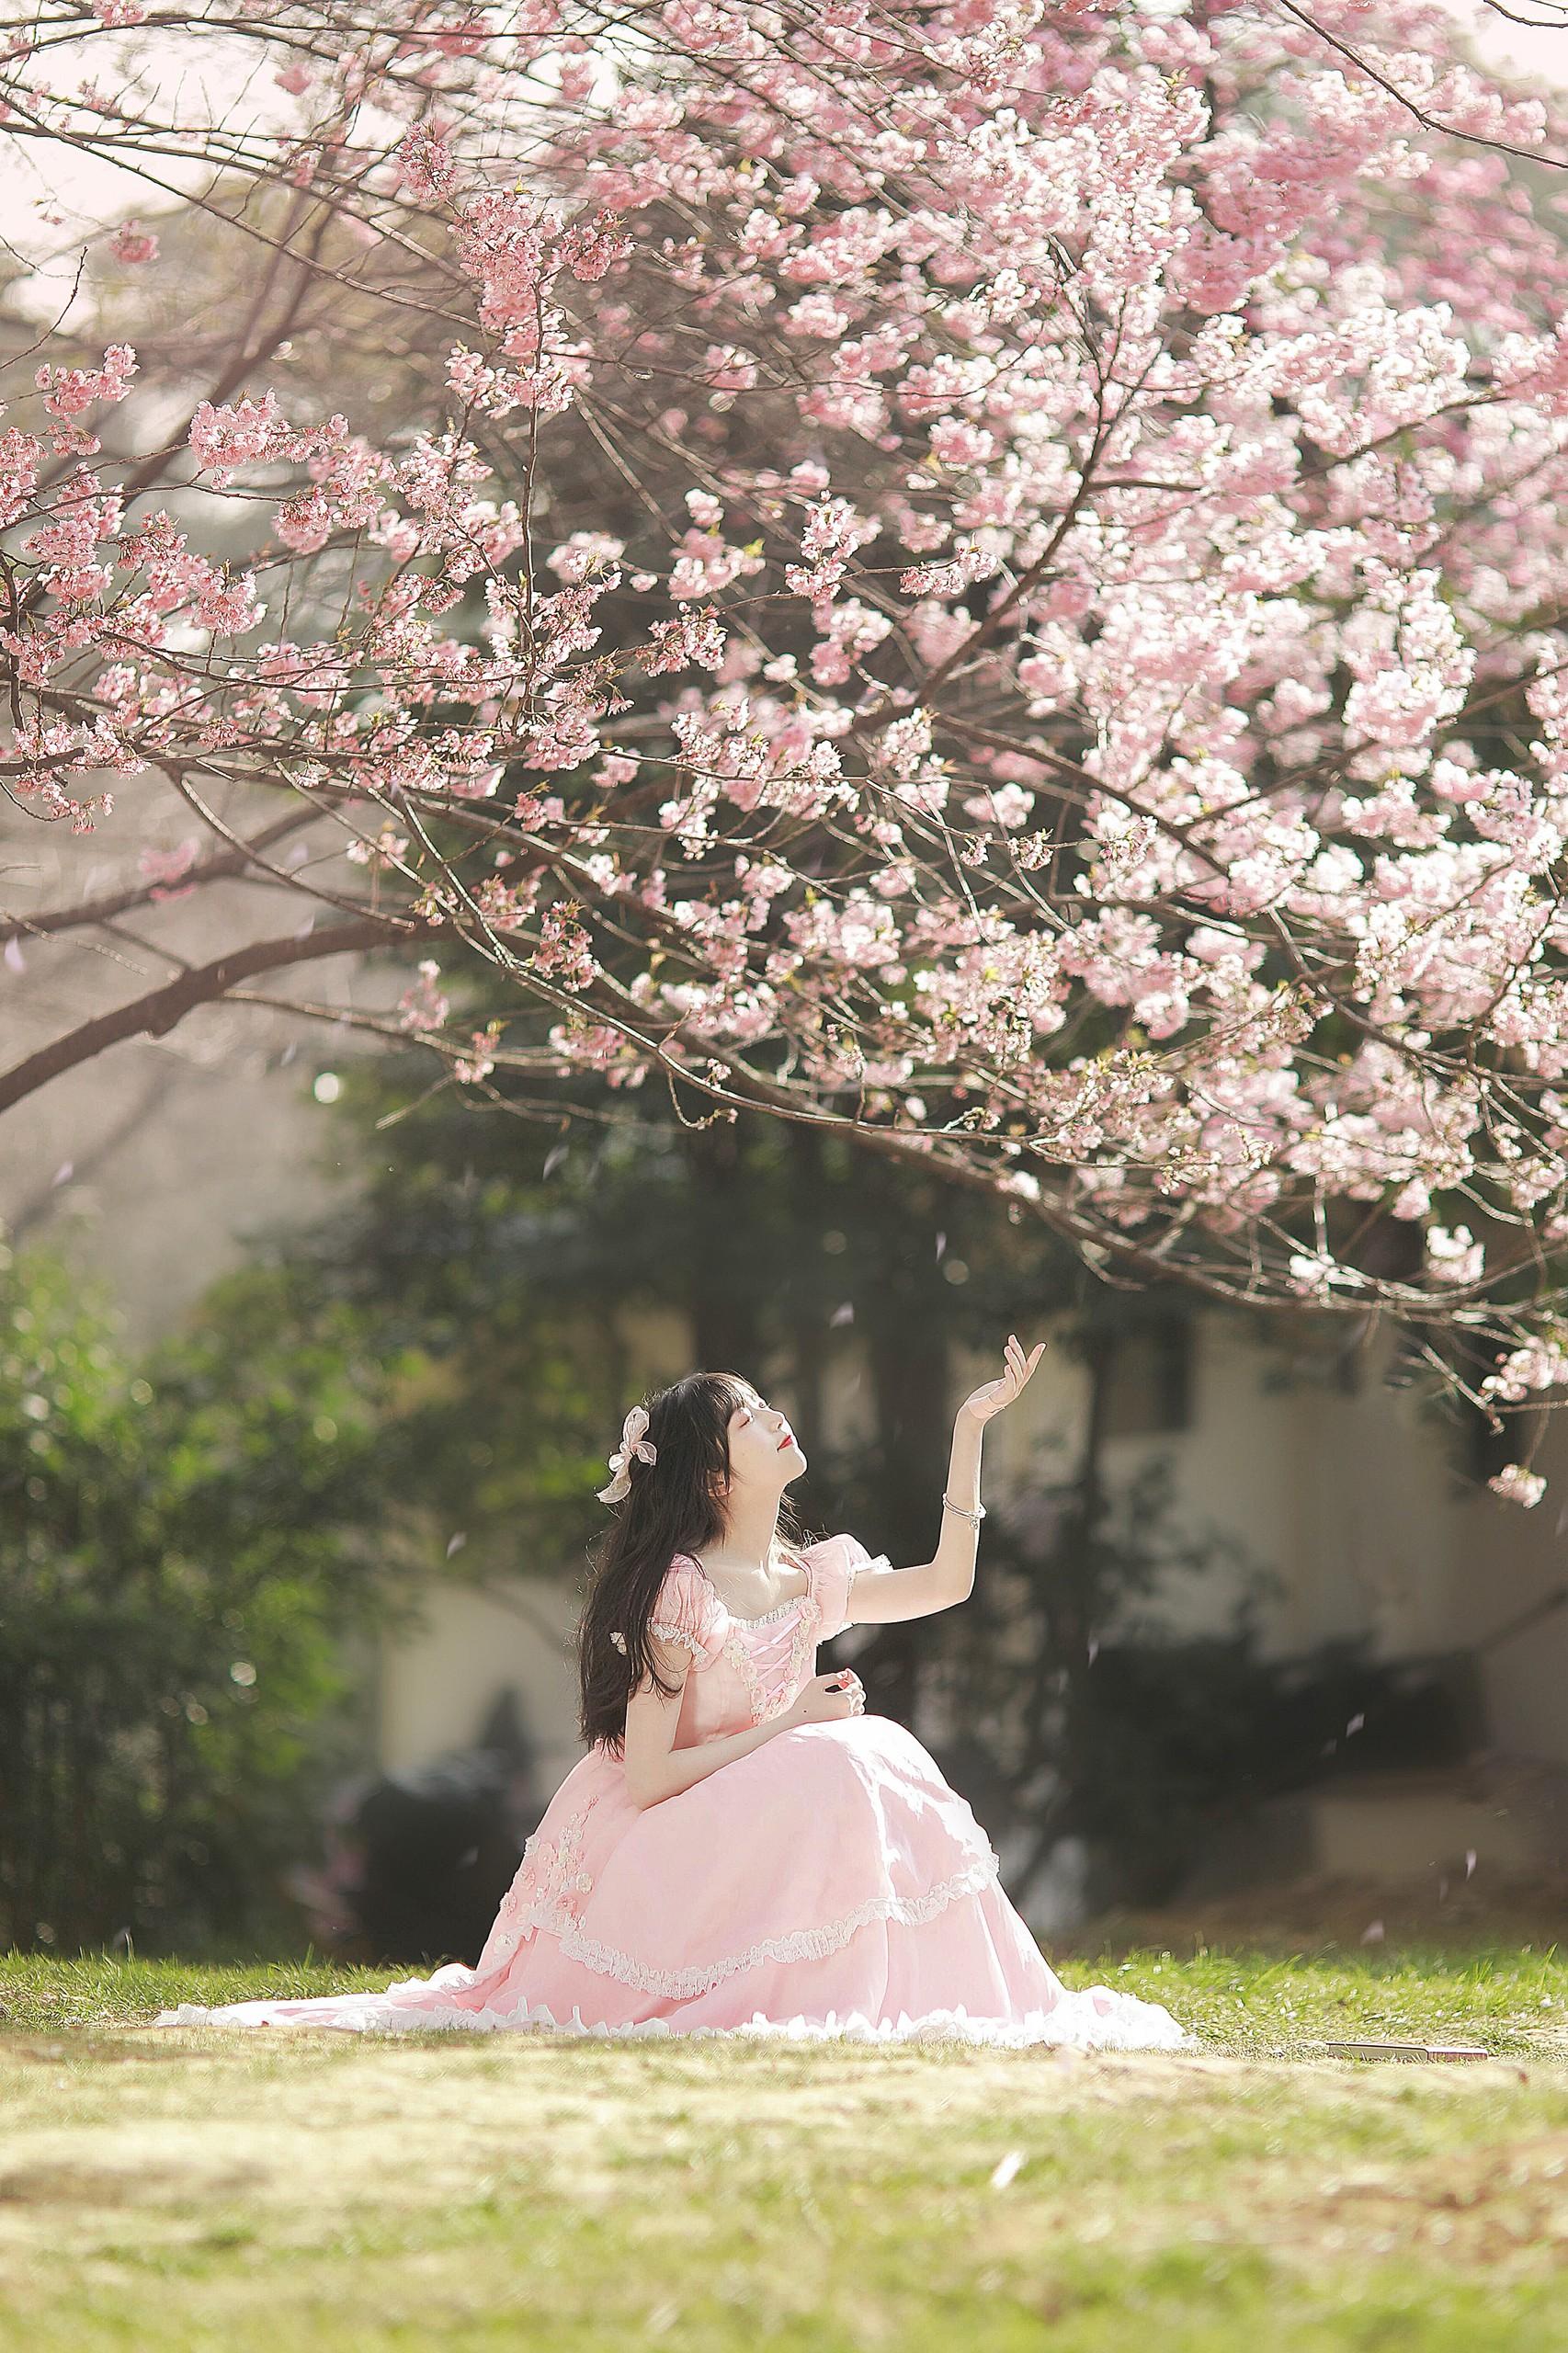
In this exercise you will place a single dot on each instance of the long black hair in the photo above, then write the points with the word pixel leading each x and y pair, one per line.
pixel 674 1505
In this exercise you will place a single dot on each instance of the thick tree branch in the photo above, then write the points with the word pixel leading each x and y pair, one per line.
pixel 55 920
pixel 156 1012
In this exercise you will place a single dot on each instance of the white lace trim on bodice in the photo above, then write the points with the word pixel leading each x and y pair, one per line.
pixel 669 1633
pixel 767 1616
pixel 770 1617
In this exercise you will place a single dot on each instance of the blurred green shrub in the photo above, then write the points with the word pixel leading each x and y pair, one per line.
pixel 185 1543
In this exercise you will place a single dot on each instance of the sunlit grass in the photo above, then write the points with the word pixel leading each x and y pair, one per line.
pixel 1514 2000
pixel 200 2188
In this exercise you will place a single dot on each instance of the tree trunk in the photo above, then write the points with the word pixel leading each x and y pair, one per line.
pixel 723 1320
pixel 1067 1615
pixel 907 1356
pixel 805 1324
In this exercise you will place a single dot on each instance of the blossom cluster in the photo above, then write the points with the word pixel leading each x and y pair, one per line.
pixel 960 570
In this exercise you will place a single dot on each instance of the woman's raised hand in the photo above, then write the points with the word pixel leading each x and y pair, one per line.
pixel 827 1698
pixel 994 1397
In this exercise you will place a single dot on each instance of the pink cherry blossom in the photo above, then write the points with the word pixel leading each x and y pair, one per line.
pixel 134 244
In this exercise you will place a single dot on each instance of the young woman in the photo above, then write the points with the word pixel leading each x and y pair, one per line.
pixel 743 1848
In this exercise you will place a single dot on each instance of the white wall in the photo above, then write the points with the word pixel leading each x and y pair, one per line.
pixel 1511 1559
pixel 1346 1497
pixel 435 1687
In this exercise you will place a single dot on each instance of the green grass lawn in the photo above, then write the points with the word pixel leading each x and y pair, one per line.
pixel 264 2191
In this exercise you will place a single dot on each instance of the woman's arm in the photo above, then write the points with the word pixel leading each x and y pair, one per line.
pixel 656 1769
pixel 682 1768
pixel 948 1577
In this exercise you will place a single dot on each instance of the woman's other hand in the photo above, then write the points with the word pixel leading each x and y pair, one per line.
pixel 827 1698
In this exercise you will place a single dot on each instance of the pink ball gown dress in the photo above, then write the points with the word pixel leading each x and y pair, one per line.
pixel 829 1884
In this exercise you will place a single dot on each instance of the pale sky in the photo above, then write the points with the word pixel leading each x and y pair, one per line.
pixel 1538 48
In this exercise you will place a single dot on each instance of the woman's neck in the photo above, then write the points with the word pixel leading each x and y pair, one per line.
pixel 750 1539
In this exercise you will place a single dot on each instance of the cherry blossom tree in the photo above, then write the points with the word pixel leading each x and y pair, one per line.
pixel 981 573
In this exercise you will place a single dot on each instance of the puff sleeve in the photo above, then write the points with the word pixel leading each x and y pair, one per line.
pixel 835 1563
pixel 687 1610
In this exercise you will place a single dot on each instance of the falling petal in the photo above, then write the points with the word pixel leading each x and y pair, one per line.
pixel 455 1544
pixel 845 1314
pixel 14 957
pixel 167 866
pixel 1372 1934
pixel 1469 1860
pixel 61 1173
pixel 1007 2170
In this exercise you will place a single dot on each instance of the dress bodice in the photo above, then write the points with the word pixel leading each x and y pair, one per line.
pixel 746 1669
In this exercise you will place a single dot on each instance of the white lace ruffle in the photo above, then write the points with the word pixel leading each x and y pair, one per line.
pixel 1076 2023
pixel 870 1568
pixel 767 1616
pixel 799 1944
pixel 676 1985
pixel 668 1634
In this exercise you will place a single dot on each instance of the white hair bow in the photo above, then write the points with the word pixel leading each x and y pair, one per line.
pixel 633 1447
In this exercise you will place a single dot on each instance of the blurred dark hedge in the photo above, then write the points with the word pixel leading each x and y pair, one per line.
pixel 186 1540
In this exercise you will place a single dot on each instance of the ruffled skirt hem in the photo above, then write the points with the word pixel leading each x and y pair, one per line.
pixel 1072 2023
